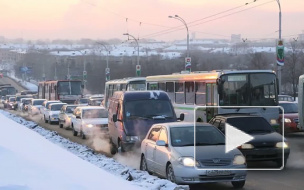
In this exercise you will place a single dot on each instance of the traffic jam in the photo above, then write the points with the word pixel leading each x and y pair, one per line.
pixel 180 126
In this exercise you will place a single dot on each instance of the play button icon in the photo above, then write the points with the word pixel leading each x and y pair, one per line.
pixel 235 137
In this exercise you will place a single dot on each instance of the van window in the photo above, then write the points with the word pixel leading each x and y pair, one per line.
pixel 148 109
pixel 119 112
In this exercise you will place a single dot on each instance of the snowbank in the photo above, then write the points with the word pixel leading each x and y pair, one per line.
pixel 29 161
pixel 47 164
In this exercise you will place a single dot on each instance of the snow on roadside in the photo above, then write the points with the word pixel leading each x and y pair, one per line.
pixel 24 84
pixel 137 177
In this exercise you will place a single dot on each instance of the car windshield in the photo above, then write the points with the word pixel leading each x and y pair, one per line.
pixel 289 107
pixel 94 113
pixel 48 103
pixel 12 99
pixel 84 101
pixel 149 109
pixel 205 136
pixel 70 109
pixel 38 102
pixel 251 124
pixel 56 107
pixel 26 101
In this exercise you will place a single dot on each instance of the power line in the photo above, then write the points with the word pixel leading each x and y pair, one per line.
pixel 181 28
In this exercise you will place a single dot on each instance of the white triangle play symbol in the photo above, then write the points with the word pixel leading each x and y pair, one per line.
pixel 235 137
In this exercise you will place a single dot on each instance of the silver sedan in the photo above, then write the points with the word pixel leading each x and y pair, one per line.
pixel 168 151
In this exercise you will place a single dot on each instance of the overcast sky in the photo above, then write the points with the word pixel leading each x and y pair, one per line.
pixel 105 19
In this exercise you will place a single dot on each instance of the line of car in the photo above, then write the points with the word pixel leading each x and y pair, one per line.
pixel 147 120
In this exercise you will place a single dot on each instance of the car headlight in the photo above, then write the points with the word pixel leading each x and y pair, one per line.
pixel 247 146
pixel 287 120
pixel 282 145
pixel 132 138
pixel 188 161
pixel 273 121
pixel 239 160
pixel 89 125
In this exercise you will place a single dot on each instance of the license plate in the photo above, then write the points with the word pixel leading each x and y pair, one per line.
pixel 217 172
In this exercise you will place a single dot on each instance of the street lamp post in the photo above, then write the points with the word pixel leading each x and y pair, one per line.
pixel 188 58
pixel 280 38
pixel 138 67
pixel 56 62
pixel 107 71
pixel 84 74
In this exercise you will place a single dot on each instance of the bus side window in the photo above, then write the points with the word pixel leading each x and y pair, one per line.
pixel 209 95
pixel 170 90
pixel 179 93
pixel 200 93
pixel 162 86
pixel 189 92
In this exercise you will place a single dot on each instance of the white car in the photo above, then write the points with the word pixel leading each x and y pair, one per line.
pixel 45 105
pixel 65 115
pixel 24 104
pixel 89 120
pixel 35 106
pixel 52 113
pixel 170 150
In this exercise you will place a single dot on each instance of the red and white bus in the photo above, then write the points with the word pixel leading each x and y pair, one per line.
pixel 66 91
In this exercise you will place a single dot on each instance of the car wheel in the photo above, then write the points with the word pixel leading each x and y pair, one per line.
pixel 238 184
pixel 143 164
pixel 75 133
pixel 50 121
pixel 279 162
pixel 170 173
pixel 82 135
pixel 120 147
pixel 113 147
pixel 45 121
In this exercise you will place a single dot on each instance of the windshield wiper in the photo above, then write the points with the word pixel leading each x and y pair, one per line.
pixel 159 116
pixel 219 144
pixel 259 130
pixel 137 117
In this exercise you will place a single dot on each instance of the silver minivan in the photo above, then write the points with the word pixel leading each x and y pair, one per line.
pixel 168 151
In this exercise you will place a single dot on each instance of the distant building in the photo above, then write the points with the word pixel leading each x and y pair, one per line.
pixel 235 38
pixel 301 36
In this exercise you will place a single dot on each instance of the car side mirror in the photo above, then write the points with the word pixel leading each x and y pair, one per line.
pixel 161 143
pixel 114 117
pixel 182 116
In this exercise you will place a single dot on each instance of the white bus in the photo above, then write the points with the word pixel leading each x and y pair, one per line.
pixel 301 102
pixel 125 84
pixel 220 88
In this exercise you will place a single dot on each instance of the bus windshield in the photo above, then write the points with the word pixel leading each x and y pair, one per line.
pixel 248 89
pixel 8 91
pixel 137 85
pixel 69 88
